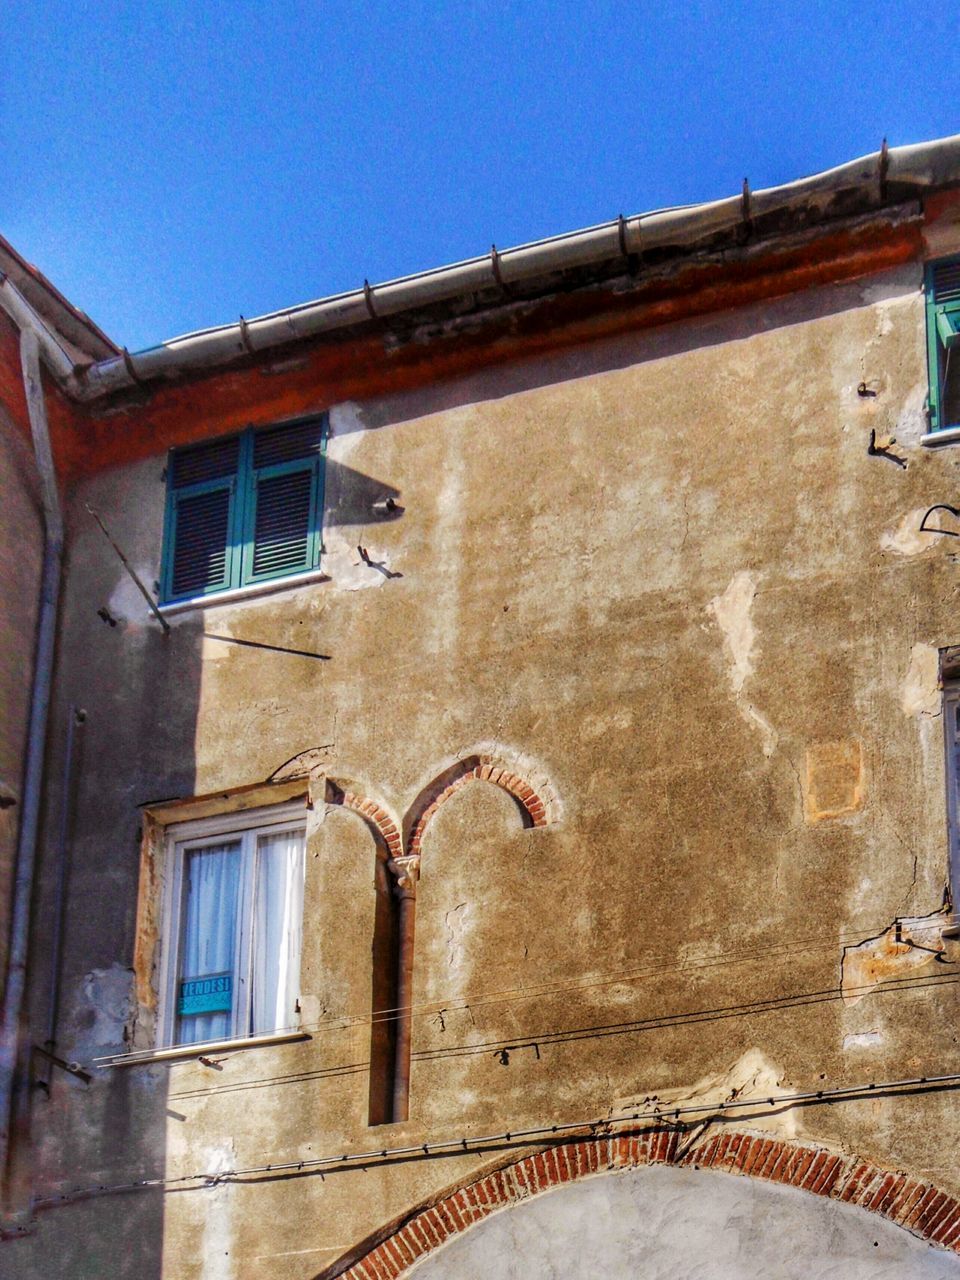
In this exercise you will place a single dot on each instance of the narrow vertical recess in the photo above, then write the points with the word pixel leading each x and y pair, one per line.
pixel 401 1078
pixel 383 1023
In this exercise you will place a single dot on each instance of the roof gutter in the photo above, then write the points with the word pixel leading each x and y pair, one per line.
pixel 885 177
pixel 26 319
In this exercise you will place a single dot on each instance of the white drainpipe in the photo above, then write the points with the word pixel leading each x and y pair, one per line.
pixel 13 1005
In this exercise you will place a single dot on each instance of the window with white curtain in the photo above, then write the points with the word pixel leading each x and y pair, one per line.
pixel 234 913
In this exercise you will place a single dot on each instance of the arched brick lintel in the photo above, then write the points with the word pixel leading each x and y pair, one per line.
pixel 479 768
pixel 920 1207
pixel 382 826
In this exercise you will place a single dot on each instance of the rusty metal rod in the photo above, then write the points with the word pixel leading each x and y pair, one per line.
pixel 130 569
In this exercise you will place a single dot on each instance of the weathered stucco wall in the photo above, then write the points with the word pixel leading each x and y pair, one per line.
pixel 663 577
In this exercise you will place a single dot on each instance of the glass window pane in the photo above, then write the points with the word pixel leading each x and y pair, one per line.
pixel 207 985
pixel 278 917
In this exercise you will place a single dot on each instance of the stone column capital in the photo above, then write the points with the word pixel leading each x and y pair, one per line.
pixel 406 873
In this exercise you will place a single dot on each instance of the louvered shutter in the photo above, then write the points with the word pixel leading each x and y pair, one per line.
pixel 201 555
pixel 943 342
pixel 283 501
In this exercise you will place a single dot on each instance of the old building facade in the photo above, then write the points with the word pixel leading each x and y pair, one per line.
pixel 493 814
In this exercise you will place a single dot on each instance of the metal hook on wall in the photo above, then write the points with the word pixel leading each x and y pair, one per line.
pixel 940 506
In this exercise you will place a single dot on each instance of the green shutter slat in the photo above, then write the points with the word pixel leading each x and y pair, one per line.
pixel 283 523
pixel 294 442
pixel 198 464
pixel 201 543
pixel 945 281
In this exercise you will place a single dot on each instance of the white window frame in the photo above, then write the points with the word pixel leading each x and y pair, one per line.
pixel 181 837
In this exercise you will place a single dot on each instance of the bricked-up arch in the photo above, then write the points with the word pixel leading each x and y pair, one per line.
pixel 920 1207
pixel 384 829
pixel 476 768
pixel 384 950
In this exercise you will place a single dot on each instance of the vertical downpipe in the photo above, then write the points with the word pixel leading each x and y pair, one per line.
pixel 10 1038
pixel 77 718
pixel 407 872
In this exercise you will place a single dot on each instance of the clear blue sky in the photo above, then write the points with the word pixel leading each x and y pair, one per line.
pixel 173 165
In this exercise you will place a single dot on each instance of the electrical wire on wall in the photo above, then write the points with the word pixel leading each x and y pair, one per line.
pixel 665 1116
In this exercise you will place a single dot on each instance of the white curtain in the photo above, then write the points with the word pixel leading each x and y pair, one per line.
pixel 208 946
pixel 278 916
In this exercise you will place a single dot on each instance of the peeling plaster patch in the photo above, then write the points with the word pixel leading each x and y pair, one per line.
pixel 863 1040
pixel 456 922
pixel 126 604
pixel 920 692
pixel 912 421
pixel 751 1076
pixel 833 782
pixel 102 1011
pixel 909 945
pixel 340 557
pixel 346 428
pixel 732 611
pixel 906 539
pixel 218 1229
pixel 768 733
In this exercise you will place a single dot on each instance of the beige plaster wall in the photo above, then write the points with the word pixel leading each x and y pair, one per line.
pixel 665 576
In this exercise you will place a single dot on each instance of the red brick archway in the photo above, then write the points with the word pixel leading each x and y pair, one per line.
pixel 918 1206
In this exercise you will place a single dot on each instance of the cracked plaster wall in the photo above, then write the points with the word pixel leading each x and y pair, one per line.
pixel 655 570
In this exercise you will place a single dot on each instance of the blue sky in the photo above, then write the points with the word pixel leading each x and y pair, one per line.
pixel 173 165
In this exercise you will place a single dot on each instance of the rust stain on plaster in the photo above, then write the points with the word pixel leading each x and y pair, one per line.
pixel 833 780
pixel 908 946
pixel 149 906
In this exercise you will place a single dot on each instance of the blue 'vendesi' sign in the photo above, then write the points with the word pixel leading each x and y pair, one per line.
pixel 210 994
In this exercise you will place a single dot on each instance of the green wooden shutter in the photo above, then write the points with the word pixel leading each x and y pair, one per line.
pixel 283 501
pixel 943 337
pixel 200 541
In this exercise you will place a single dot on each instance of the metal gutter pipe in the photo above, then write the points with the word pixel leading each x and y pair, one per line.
pixel 30 347
pixel 888 176
pixel 24 317
pixel 77 719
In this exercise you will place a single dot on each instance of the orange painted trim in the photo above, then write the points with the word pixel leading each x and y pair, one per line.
pixel 919 1207
pixel 147 421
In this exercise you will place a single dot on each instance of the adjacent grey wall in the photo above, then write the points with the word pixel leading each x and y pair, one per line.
pixel 685 1224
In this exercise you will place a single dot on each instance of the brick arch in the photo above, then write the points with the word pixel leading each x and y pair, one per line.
pixel 920 1207
pixel 383 827
pixel 476 768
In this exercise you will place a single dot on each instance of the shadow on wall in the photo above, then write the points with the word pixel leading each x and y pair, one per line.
pixel 139 689
pixel 633 348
